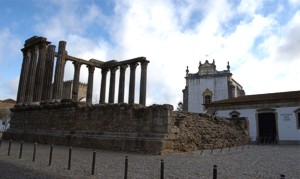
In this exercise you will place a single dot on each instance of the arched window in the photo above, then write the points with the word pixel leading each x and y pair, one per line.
pixel 207 97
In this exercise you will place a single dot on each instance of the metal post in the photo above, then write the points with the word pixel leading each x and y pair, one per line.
pixel 50 156
pixel 0 142
pixel 162 168
pixel 21 148
pixel 70 156
pixel 34 152
pixel 215 172
pixel 282 176
pixel 9 147
pixel 93 163
pixel 126 167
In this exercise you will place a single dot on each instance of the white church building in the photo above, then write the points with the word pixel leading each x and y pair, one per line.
pixel 208 85
pixel 273 117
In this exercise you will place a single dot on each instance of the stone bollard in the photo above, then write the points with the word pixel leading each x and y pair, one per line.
pixel 215 172
pixel 9 147
pixel 50 155
pixel 70 156
pixel 21 149
pixel 162 169
pixel 94 162
pixel 126 167
pixel 34 152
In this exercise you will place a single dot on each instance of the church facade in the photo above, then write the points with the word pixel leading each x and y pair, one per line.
pixel 208 85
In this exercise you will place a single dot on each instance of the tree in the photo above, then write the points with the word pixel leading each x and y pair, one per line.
pixel 180 106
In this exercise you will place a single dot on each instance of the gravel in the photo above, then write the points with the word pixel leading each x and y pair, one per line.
pixel 255 161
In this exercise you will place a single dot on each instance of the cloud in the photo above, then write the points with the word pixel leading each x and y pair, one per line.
pixel 176 34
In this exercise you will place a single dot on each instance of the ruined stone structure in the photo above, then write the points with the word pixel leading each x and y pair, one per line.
pixel 37 71
pixel 42 115
pixel 68 87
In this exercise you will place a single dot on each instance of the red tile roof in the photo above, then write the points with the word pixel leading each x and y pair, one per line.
pixel 259 98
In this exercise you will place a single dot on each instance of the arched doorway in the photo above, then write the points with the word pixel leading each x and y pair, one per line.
pixel 267 127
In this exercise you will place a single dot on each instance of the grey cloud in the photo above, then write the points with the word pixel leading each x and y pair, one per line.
pixel 290 49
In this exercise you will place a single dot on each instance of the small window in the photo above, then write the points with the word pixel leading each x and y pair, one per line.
pixel 207 99
pixel 234 114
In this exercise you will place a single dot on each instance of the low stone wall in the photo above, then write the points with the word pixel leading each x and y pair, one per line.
pixel 156 129
pixel 199 131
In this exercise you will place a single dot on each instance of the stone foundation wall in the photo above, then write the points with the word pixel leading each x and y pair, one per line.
pixel 156 129
pixel 199 131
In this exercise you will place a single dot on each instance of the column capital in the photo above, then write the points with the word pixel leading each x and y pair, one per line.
pixel 113 69
pixel 91 68
pixel 104 70
pixel 144 63
pixel 133 65
pixel 124 66
pixel 26 52
pixel 77 64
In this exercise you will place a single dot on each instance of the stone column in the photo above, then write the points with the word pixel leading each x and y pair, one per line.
pixel 143 83
pixel 31 75
pixel 103 85
pixel 47 85
pixel 23 75
pixel 76 81
pixel 40 70
pixel 122 83
pixel 89 93
pixel 132 82
pixel 111 97
pixel 59 71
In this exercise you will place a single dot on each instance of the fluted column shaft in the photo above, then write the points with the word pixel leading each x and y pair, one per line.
pixel 143 83
pixel 47 84
pixel 23 76
pixel 112 83
pixel 40 70
pixel 103 85
pixel 132 82
pixel 76 81
pixel 59 71
pixel 31 75
pixel 89 93
pixel 122 83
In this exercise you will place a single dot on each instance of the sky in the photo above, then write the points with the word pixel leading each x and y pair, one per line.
pixel 259 38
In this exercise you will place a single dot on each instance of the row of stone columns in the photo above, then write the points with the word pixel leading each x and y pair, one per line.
pixel 32 77
pixel 37 70
pixel 131 94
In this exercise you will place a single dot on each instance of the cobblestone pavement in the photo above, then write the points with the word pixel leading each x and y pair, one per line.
pixel 255 161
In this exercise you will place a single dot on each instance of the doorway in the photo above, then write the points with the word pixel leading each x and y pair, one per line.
pixel 267 128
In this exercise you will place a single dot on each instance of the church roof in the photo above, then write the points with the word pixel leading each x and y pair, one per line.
pixel 259 98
